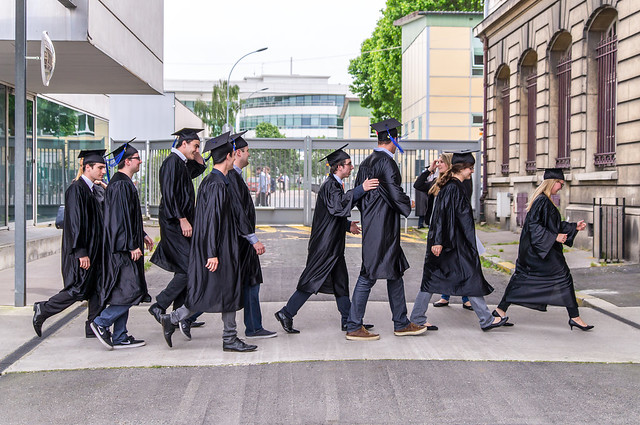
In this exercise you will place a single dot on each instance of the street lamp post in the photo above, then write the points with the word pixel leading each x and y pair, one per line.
pixel 226 124
pixel 244 107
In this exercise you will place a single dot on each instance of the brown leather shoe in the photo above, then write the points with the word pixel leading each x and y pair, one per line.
pixel 410 329
pixel 362 335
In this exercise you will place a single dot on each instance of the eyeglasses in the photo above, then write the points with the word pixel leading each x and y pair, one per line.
pixel 561 184
pixel 136 157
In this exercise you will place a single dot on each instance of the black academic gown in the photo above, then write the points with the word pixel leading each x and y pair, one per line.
pixel 81 237
pixel 457 271
pixel 380 209
pixel 123 282
pixel 178 201
pixel 326 269
pixel 214 235
pixel 424 201
pixel 245 212
pixel 542 276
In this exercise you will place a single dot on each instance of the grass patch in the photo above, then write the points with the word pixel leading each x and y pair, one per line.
pixel 147 266
pixel 486 227
pixel 507 243
pixel 501 250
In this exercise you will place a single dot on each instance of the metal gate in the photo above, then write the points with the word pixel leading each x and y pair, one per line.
pixel 608 244
pixel 284 175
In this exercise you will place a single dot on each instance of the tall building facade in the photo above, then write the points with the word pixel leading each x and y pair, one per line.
pixel 441 76
pixel 562 82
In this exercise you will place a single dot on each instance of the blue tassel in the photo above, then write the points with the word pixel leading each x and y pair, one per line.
pixel 395 142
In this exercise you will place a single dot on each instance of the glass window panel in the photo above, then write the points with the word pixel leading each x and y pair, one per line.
pixel 3 156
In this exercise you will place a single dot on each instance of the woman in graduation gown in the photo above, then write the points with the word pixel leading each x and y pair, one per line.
pixel 542 276
pixel 452 265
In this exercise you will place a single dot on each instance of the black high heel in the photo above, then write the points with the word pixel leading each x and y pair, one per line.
pixel 573 323
pixel 494 313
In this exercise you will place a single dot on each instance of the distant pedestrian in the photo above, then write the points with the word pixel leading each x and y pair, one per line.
pixel 452 264
pixel 326 268
pixel 263 187
pixel 542 276
pixel 123 284
pixel 81 252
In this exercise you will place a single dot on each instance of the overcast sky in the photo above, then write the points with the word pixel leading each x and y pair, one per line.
pixel 204 38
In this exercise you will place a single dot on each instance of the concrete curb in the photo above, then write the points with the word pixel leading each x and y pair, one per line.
pixel 505 266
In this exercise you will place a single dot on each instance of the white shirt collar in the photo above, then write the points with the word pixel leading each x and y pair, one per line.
pixel 384 150
pixel 238 169
pixel 338 178
pixel 88 181
pixel 180 154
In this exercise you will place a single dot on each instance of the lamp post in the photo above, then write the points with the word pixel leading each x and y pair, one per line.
pixel 226 124
pixel 244 107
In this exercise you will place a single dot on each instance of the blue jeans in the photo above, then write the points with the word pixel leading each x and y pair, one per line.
pixel 465 299
pixel 397 302
pixel 297 300
pixel 252 313
pixel 116 315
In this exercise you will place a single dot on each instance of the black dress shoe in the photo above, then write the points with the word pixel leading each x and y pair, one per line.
pixel 238 345
pixel 287 324
pixel 367 326
pixel 494 313
pixel 441 304
pixel 156 311
pixel 573 323
pixel 496 325
pixel 432 327
pixel 38 320
pixel 185 329
pixel 197 324
pixel 167 328
pixel 467 307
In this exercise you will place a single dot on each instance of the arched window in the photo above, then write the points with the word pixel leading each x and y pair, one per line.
pixel 607 85
pixel 529 106
pixel 503 101
pixel 560 99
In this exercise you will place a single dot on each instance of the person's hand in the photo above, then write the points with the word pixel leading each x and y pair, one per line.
pixel 433 166
pixel 562 237
pixel 259 247
pixel 85 263
pixel 186 228
pixel 437 250
pixel 370 184
pixel 212 264
pixel 100 183
pixel 148 242
pixel 136 254
pixel 581 225
pixel 354 228
pixel 198 158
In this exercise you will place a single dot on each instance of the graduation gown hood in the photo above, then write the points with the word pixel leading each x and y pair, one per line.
pixel 245 213
pixel 178 201
pixel 214 235
pixel 123 282
pixel 81 237
pixel 382 256
pixel 325 259
pixel 542 276
pixel 457 271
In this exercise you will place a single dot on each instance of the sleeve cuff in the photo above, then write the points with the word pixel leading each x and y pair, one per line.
pixel 251 238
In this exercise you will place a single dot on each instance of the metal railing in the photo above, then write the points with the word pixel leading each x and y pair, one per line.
pixel 609 230
pixel 563 159
pixel 532 134
pixel 506 102
pixel 284 175
pixel 607 85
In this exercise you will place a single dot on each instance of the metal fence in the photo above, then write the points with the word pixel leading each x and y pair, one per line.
pixel 609 234
pixel 284 175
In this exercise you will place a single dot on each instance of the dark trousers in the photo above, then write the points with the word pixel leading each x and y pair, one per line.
pixel 252 313
pixel 63 299
pixel 297 300
pixel 573 311
pixel 175 292
pixel 397 301
pixel 420 221
pixel 262 199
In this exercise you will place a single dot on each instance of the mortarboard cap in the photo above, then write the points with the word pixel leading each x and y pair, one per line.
pixel 463 157
pixel 94 155
pixel 553 173
pixel 188 134
pixel 386 128
pixel 336 156
pixel 238 141
pixel 123 152
pixel 219 147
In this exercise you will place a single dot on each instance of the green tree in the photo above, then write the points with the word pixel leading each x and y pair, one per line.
pixel 377 71
pixel 267 130
pixel 214 113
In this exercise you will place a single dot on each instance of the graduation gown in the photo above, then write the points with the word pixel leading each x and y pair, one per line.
pixel 457 271
pixel 123 282
pixel 214 235
pixel 245 213
pixel 380 209
pixel 542 276
pixel 81 237
pixel 326 269
pixel 178 201
pixel 424 201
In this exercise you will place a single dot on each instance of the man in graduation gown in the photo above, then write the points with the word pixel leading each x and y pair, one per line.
pixel 175 215
pixel 249 247
pixel 81 253
pixel 326 269
pixel 382 256
pixel 215 281
pixel 123 284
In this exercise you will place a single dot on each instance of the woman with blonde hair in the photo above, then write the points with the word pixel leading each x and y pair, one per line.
pixel 542 276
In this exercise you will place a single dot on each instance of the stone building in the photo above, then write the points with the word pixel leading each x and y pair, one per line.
pixel 562 89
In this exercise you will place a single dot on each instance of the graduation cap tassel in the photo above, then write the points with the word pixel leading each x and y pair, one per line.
pixel 113 162
pixel 174 143
pixel 395 142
